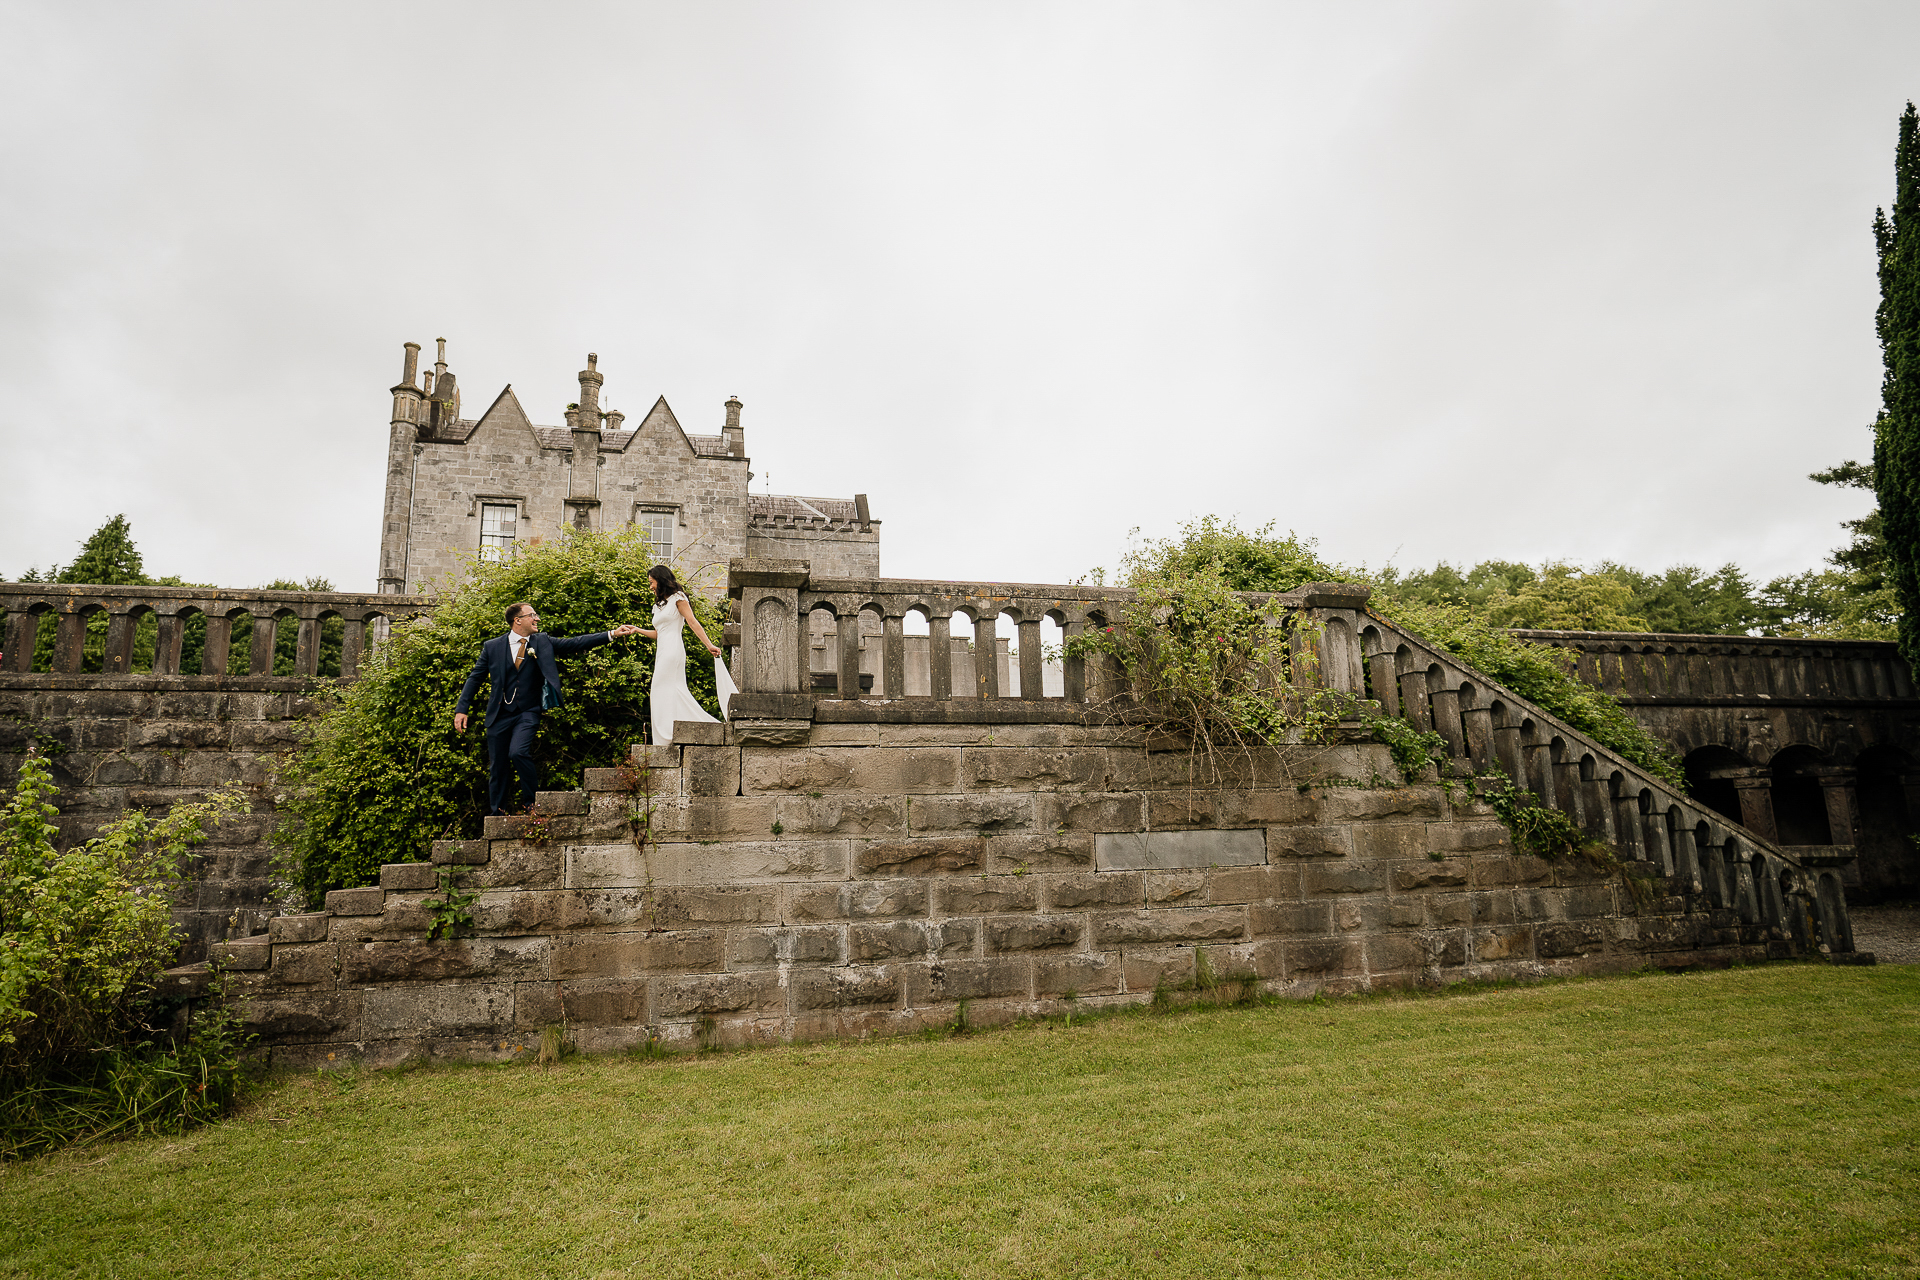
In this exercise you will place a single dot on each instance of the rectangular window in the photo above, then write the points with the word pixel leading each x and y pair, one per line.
pixel 496 531
pixel 659 527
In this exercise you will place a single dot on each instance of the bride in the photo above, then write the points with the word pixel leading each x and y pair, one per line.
pixel 668 696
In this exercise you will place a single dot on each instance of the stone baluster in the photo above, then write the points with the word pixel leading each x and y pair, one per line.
pixel 353 644
pixel 1414 706
pixel 893 651
pixel 1837 789
pixel 986 667
pixel 23 633
pixel 306 653
pixel 117 660
pixel 940 657
pixel 1569 791
pixel 1380 669
pixel 169 635
pixel 1755 789
pixel 70 642
pixel 1446 715
pixel 1625 807
pixel 214 653
pixel 1596 804
pixel 1073 670
pixel 1686 857
pixel 1506 749
pixel 1032 668
pixel 1477 725
pixel 847 641
pixel 1653 835
pixel 266 630
pixel 1536 763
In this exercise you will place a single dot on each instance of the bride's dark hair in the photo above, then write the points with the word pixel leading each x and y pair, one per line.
pixel 664 583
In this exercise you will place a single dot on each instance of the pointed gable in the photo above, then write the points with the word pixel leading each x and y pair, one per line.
pixel 658 423
pixel 504 422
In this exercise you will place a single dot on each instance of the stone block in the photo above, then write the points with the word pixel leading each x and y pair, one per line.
pixel 284 1018
pixel 1466 837
pixel 515 864
pixel 717 993
pixel 1325 957
pixel 240 952
pixel 1032 933
pixel 1349 804
pixel 632 955
pixel 408 877
pixel 712 770
pixel 1169 924
pixel 806 944
pixel 304 964
pixel 1173 850
pixel 844 814
pixel 875 770
pixel 721 818
pixel 987 895
pixel 443 960
pixel 1147 968
pixel 557 803
pixel 1308 842
pixel 718 863
pixel 1340 877
pixel 847 988
pixel 1508 943
pixel 908 938
pixel 1031 769
pixel 1555 941
pixel 770 733
pixel 655 757
pixel 357 902
pixel 948 735
pixel 1078 975
pixel 944 981
pixel 1253 884
pixel 993 813
pixel 1395 952
pixel 311 927
pixel 1079 891
pixel 465 853
pixel 1378 841
pixel 858 900
pixel 522 912
pixel 932 855
pixel 1493 906
pixel 618 1002
pixel 1040 851
pixel 1089 811
pixel 678 908
pixel 1450 874
pixel 699 733
pixel 1176 888
pixel 433 1012
pixel 1407 912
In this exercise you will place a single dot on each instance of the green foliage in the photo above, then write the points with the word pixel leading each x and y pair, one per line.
pixel 1896 449
pixel 1201 659
pixel 84 936
pixel 1540 673
pixel 107 558
pixel 1413 750
pixel 1243 561
pixel 1563 598
pixel 380 772
pixel 451 910
pixel 1539 829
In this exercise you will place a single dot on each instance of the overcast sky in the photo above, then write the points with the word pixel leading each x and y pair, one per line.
pixel 1425 281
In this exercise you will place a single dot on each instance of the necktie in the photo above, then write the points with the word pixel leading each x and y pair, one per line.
pixel 519 652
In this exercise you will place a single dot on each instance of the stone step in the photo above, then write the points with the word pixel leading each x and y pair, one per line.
pixel 559 803
pixel 311 927
pixel 370 901
pixel 244 953
pixel 408 877
pixel 468 853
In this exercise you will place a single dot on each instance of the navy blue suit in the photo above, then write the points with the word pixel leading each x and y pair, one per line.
pixel 513 706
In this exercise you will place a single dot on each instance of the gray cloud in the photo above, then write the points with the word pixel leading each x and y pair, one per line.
pixel 1425 280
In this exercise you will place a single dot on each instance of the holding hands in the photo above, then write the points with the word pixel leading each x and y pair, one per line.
pixel 625 629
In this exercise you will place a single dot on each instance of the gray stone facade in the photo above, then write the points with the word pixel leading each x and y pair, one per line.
pixel 459 487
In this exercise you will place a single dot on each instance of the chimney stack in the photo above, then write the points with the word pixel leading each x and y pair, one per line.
pixel 735 437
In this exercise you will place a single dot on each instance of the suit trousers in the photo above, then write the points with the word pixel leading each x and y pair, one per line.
pixel 510 752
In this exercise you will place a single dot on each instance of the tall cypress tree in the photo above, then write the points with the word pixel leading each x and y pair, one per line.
pixel 1896 435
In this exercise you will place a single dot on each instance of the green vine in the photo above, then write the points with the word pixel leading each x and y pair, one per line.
pixel 449 911
pixel 1413 750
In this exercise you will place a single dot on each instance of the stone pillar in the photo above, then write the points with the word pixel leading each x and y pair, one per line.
pixel 172 633
pixel 771 651
pixel 266 630
pixel 70 642
pixel 1446 720
pixel 1413 699
pixel 847 641
pixel 118 658
pixel 1477 723
pixel 1837 789
pixel 23 633
pixel 1686 857
pixel 1755 788
pixel 402 434
pixel 940 657
pixel 986 674
pixel 1031 668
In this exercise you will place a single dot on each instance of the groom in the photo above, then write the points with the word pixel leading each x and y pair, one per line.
pixel 519 664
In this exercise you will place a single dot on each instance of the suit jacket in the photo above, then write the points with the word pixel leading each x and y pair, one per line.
pixel 495 665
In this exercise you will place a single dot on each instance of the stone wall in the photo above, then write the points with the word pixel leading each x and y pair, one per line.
pixel 148 743
pixel 806 880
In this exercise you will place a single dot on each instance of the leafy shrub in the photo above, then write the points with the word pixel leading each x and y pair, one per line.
pixel 380 772
pixel 84 937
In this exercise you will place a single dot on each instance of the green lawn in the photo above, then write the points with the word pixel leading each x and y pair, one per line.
pixel 1752 1122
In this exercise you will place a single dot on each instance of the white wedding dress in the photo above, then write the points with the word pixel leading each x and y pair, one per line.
pixel 668 696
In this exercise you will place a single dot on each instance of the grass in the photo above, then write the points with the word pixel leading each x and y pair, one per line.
pixel 1749 1122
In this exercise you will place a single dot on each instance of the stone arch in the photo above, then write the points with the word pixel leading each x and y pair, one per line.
pixel 1799 803
pixel 1716 792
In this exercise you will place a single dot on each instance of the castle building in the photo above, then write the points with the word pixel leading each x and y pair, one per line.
pixel 461 487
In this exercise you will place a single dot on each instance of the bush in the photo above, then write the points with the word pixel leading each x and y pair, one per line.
pixel 84 937
pixel 380 772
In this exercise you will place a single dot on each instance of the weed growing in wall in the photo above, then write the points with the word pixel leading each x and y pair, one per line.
pixel 380 772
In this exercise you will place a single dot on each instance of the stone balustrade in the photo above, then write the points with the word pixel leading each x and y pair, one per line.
pixel 73 607
pixel 1642 667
